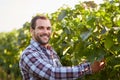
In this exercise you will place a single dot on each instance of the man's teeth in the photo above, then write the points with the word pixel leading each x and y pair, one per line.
pixel 45 36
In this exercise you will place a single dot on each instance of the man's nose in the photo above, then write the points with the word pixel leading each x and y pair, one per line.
pixel 45 30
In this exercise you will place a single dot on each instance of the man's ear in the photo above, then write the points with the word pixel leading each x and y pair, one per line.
pixel 31 30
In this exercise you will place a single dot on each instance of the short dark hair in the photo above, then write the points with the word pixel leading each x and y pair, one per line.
pixel 34 19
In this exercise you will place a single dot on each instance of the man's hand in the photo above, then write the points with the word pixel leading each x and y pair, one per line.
pixel 98 65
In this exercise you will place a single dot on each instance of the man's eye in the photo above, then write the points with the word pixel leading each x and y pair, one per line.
pixel 49 28
pixel 41 27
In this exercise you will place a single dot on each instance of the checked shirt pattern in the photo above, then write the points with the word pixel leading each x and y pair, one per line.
pixel 40 63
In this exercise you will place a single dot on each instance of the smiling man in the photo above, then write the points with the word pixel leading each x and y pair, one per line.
pixel 41 31
pixel 39 61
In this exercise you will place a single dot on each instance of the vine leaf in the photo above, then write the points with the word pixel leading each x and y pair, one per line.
pixel 62 14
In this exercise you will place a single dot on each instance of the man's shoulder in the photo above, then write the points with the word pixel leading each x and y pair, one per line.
pixel 29 49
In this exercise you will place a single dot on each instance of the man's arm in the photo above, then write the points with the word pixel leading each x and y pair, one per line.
pixel 36 65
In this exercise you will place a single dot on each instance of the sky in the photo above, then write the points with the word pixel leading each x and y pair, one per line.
pixel 14 13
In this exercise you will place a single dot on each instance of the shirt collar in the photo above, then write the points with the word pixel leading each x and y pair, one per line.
pixel 38 45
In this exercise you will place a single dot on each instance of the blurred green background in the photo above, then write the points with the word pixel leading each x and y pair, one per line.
pixel 87 32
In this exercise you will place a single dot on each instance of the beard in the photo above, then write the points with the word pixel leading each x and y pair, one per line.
pixel 43 39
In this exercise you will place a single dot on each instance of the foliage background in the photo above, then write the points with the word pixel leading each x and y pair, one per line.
pixel 87 32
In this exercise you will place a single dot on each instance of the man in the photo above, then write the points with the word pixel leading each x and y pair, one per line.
pixel 39 61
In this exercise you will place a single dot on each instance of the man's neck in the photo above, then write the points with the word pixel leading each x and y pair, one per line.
pixel 43 45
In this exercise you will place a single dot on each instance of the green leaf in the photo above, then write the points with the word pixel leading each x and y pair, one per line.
pixel 62 14
pixel 108 42
pixel 117 66
pixel 91 20
pixel 85 35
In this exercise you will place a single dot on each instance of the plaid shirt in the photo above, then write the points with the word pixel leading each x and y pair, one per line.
pixel 39 63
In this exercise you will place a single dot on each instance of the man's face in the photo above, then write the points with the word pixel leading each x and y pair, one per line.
pixel 42 31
